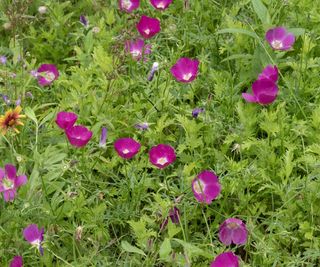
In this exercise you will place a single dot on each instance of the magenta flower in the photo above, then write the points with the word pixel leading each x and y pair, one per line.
pixel 265 91
pixel 47 73
pixel 137 48
pixel 160 4
pixel 185 70
pixel 126 147
pixel 206 187
pixel 78 135
pixel 234 231
pixel 162 155
pixel 9 182
pixel 16 262
pixel 128 5
pixel 66 119
pixel 270 72
pixel 148 27
pixel 226 259
pixel 279 39
pixel 34 236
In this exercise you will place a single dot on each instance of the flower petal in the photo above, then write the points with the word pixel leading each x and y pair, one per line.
pixel 21 180
pixel 10 171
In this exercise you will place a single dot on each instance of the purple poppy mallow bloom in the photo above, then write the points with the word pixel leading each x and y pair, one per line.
pixel 155 67
pixel 129 5
pixel 148 27
pixel 137 49
pixel 78 135
pixel 234 231
pixel 34 236
pixel 16 262
pixel 225 259
pixel 84 21
pixel 47 73
pixel 280 39
pixel 269 72
pixel 142 126
pixel 206 187
pixel 162 155
pixel 103 137
pixel 66 119
pixel 160 4
pixel 174 215
pixel 3 60
pixel 127 147
pixel 264 91
pixel 9 182
pixel 185 70
pixel 196 112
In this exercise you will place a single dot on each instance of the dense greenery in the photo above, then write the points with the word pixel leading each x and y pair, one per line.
pixel 101 210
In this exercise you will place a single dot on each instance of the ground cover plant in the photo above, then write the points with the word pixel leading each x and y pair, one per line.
pixel 159 133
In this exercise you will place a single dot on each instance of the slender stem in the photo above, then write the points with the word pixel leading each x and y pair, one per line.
pixel 46 194
pixel 208 228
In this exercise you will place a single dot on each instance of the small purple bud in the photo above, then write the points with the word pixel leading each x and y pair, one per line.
pixel 34 73
pixel 18 101
pixel 103 137
pixel 29 95
pixel 84 21
pixel 154 68
pixel 196 112
pixel 142 126
pixel 6 99
pixel 3 60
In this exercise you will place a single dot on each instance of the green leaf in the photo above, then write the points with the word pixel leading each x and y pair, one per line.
pixel 30 114
pixel 240 31
pixel 102 59
pixel 173 229
pixel 129 248
pixel 165 249
pixel 261 11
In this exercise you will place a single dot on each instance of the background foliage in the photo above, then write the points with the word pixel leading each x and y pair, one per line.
pixel 267 158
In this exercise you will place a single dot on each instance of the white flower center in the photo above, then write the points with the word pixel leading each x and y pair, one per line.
pixel 147 31
pixel 277 44
pixel 162 161
pixel 125 151
pixel 126 4
pixel 160 5
pixel 199 186
pixel 49 76
pixel 7 184
pixel 187 76
pixel 135 53
pixel 36 242
pixel 233 225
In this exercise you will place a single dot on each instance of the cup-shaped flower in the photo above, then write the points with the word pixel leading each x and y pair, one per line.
pixel 126 147
pixel 206 187
pixel 66 119
pixel 269 72
pixel 234 231
pixel 137 49
pixel 162 155
pixel 34 236
pixel 185 70
pixel 160 4
pixel 148 27
pixel 264 91
pixel 47 73
pixel 128 5
pixel 9 182
pixel 16 262
pixel 280 39
pixel 78 135
pixel 196 112
pixel 225 259
pixel 103 137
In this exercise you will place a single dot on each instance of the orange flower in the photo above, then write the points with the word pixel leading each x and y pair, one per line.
pixel 10 120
